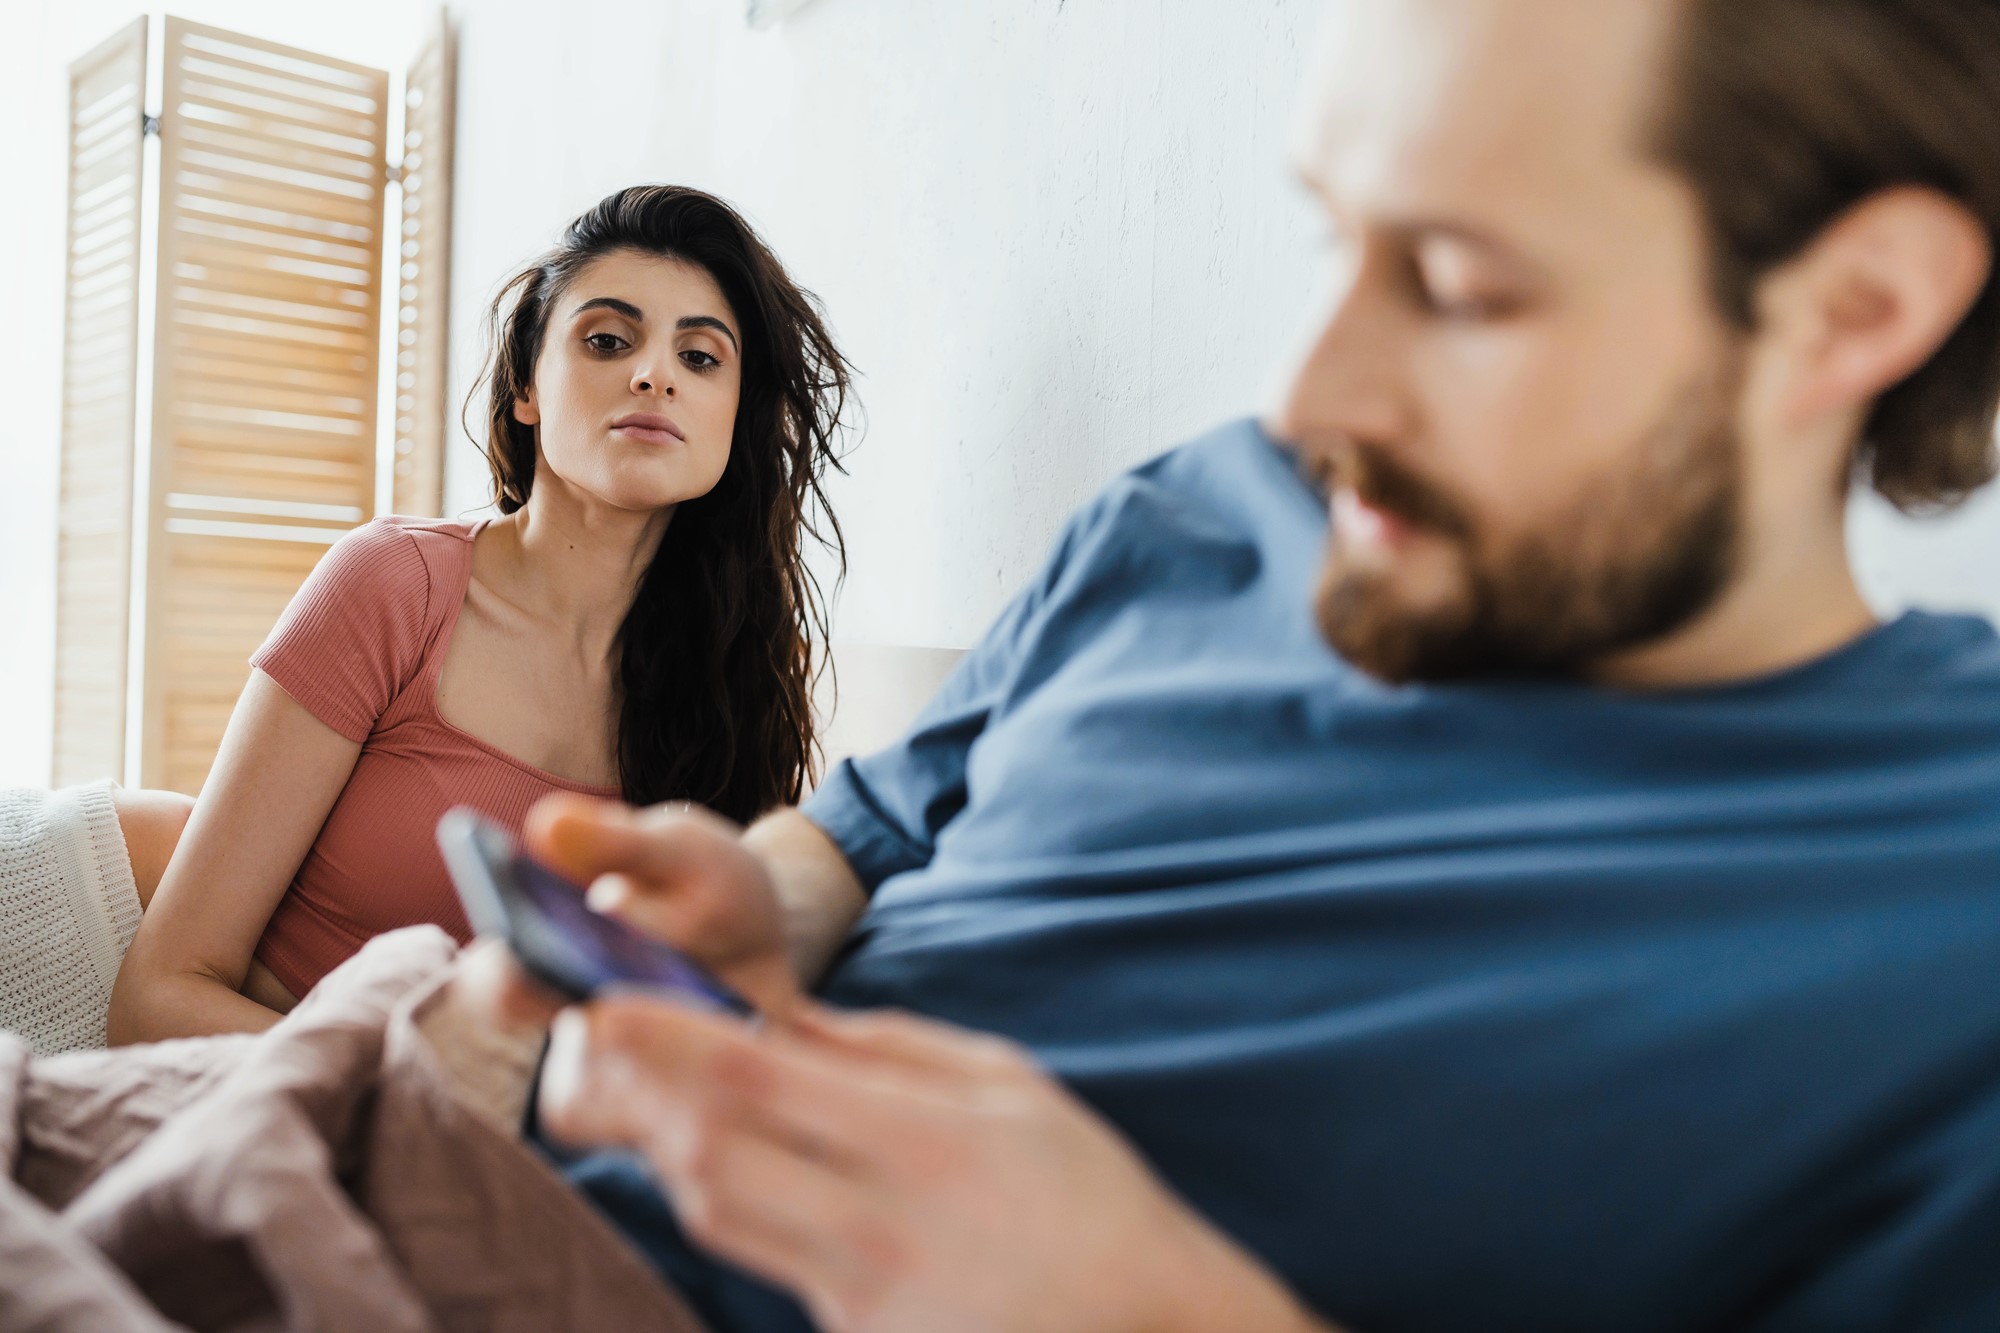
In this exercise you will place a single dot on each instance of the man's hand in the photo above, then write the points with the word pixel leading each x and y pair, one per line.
pixel 898 1176
pixel 681 874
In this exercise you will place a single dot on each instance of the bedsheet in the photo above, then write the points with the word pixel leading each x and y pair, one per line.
pixel 355 1167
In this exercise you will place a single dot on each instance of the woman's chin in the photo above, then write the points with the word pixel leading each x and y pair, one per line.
pixel 649 490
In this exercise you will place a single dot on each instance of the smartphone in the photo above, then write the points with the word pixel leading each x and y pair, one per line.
pixel 545 921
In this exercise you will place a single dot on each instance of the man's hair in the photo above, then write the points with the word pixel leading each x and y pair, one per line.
pixel 1784 114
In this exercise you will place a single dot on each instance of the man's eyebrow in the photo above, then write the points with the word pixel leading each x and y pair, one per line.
pixel 1424 227
pixel 1451 229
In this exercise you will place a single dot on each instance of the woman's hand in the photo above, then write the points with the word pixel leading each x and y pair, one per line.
pixel 897 1175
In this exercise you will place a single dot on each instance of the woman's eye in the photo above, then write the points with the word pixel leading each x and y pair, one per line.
pixel 605 342
pixel 699 359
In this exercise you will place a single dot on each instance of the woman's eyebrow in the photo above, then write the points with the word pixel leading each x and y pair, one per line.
pixel 638 316
pixel 707 322
pixel 625 308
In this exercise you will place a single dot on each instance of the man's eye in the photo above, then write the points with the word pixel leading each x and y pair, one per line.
pixel 606 342
pixel 1457 302
pixel 1453 305
pixel 1475 309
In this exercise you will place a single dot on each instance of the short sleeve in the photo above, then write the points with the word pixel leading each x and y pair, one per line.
pixel 885 811
pixel 353 637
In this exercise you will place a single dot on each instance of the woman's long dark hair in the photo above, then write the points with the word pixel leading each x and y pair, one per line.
pixel 717 656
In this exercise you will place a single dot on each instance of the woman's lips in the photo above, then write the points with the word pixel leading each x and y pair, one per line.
pixel 649 427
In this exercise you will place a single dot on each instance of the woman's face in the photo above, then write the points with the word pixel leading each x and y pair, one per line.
pixel 634 394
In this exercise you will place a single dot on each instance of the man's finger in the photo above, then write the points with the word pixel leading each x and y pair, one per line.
pixel 787 1215
pixel 592 1093
pixel 683 918
pixel 852 1107
pixel 696 1063
pixel 583 837
pixel 914 1043
pixel 760 1189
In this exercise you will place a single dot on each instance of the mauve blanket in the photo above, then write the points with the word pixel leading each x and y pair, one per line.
pixel 355 1167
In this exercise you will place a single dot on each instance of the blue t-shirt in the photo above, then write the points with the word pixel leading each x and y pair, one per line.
pixel 1473 1007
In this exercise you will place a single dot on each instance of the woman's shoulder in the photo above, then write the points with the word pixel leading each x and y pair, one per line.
pixel 396 551
pixel 450 529
pixel 395 573
pixel 360 628
pixel 405 533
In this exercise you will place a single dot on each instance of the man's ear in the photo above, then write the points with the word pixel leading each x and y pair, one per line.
pixel 1875 297
pixel 525 409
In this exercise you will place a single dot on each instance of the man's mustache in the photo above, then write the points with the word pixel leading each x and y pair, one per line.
pixel 1383 483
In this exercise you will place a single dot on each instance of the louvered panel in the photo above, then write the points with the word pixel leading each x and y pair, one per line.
pixel 100 369
pixel 423 274
pixel 228 591
pixel 210 471
pixel 250 356
pixel 271 239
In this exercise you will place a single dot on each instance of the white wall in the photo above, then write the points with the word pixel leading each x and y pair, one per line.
pixel 1950 563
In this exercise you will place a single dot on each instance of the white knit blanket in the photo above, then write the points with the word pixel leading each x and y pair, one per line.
pixel 68 909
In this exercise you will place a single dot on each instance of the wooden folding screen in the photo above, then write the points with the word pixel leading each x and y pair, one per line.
pixel 266 363
pixel 272 174
pixel 424 274
pixel 100 360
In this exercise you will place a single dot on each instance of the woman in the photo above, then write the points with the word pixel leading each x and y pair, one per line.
pixel 640 622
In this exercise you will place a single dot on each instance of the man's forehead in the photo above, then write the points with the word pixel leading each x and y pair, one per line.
pixel 1423 105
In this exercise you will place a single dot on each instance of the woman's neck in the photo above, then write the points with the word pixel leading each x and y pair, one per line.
pixel 572 561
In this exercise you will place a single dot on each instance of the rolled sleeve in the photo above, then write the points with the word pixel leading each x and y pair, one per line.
pixel 885 811
pixel 849 813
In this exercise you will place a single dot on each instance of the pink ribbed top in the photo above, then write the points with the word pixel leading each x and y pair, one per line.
pixel 361 647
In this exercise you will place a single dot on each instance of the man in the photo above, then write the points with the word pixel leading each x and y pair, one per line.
pixel 1601 933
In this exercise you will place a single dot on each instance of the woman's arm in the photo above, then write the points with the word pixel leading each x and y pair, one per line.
pixel 279 772
pixel 152 822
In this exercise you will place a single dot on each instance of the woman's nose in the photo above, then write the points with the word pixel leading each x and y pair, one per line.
pixel 653 380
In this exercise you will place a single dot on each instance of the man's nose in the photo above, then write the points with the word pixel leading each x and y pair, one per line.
pixel 1346 386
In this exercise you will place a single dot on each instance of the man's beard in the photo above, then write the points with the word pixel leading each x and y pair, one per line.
pixel 1636 554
